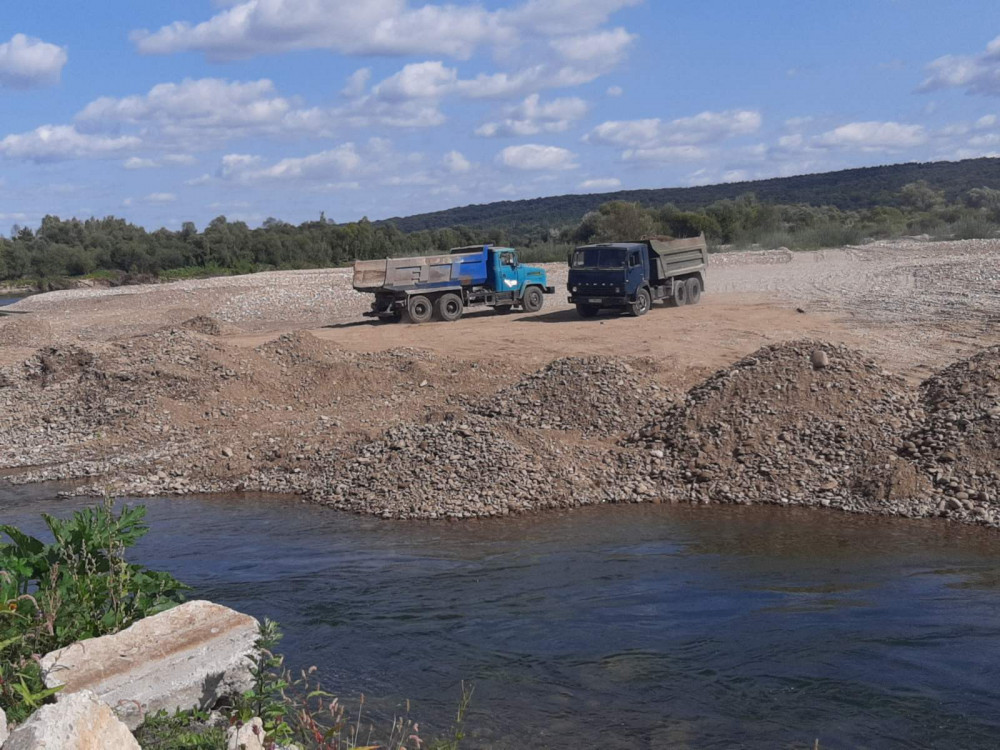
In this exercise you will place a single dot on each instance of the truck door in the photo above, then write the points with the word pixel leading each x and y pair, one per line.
pixel 635 271
pixel 507 277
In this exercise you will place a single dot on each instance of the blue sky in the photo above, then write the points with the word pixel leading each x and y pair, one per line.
pixel 168 112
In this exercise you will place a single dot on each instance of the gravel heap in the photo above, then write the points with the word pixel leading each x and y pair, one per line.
pixel 958 444
pixel 464 467
pixel 806 422
pixel 203 324
pixel 595 395
pixel 74 404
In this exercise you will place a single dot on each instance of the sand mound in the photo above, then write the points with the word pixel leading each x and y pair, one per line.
pixel 595 395
pixel 958 444
pixel 804 422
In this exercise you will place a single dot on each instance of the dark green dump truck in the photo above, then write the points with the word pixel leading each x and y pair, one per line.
pixel 630 276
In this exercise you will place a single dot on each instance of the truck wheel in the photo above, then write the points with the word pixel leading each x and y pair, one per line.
pixel 680 294
pixel 641 305
pixel 533 299
pixel 450 307
pixel 587 311
pixel 693 290
pixel 419 309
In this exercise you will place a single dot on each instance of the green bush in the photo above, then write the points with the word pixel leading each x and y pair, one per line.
pixel 975 227
pixel 78 586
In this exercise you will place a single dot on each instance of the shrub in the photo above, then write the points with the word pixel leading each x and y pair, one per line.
pixel 79 586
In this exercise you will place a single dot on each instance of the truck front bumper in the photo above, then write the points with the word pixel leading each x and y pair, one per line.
pixel 582 299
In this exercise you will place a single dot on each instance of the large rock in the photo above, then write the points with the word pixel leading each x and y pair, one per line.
pixel 77 722
pixel 3 727
pixel 187 657
pixel 249 736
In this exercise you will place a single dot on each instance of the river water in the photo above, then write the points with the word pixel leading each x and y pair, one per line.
pixel 629 627
pixel 9 300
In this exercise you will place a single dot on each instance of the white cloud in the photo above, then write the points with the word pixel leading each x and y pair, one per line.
pixel 179 159
pixel 707 127
pixel 615 91
pixel 606 46
pixel 455 162
pixel 64 142
pixel 160 198
pixel 357 82
pixel 665 154
pixel 374 27
pixel 531 117
pixel 535 157
pixel 598 185
pixel 331 164
pixel 206 107
pixel 26 62
pixel 135 162
pixel 977 74
pixel 874 136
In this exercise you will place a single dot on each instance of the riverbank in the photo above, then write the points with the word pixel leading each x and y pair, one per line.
pixel 406 422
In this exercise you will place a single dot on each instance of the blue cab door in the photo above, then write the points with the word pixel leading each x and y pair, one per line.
pixel 507 271
pixel 635 272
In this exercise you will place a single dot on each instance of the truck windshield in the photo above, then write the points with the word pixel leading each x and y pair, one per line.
pixel 599 257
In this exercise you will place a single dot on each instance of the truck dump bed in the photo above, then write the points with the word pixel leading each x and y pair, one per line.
pixel 431 271
pixel 677 257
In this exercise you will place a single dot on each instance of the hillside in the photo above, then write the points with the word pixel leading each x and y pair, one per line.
pixel 848 189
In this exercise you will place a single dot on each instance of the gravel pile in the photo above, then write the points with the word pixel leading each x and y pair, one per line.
pixel 805 423
pixel 74 404
pixel 460 468
pixel 594 395
pixel 958 444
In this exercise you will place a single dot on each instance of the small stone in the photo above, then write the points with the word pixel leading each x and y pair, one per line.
pixel 820 359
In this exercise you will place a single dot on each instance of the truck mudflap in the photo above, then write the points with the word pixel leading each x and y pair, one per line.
pixel 549 290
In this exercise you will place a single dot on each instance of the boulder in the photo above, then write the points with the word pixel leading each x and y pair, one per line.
pixel 3 727
pixel 76 722
pixel 187 657
pixel 249 736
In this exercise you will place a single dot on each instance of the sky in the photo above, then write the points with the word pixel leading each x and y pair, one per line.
pixel 166 112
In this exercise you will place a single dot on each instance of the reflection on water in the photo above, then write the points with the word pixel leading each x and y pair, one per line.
pixel 633 627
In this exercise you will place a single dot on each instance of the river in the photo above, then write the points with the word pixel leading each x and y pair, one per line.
pixel 628 627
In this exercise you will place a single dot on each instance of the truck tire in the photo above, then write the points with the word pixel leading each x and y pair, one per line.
pixel 641 305
pixel 419 309
pixel 680 294
pixel 450 307
pixel 693 290
pixel 533 299
pixel 587 311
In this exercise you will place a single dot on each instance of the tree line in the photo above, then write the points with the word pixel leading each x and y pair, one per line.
pixel 113 247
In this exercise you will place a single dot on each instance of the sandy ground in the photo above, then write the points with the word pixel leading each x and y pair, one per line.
pixel 912 305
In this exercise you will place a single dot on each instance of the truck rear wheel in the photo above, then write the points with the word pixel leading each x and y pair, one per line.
pixel 680 294
pixel 450 307
pixel 587 311
pixel 533 299
pixel 641 305
pixel 693 290
pixel 419 309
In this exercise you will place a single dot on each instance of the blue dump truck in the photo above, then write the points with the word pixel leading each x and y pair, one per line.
pixel 629 276
pixel 423 287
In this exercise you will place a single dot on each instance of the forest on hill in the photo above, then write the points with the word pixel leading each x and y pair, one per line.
pixel 961 202
pixel 849 189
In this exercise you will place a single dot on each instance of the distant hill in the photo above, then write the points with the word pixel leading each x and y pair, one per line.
pixel 846 189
